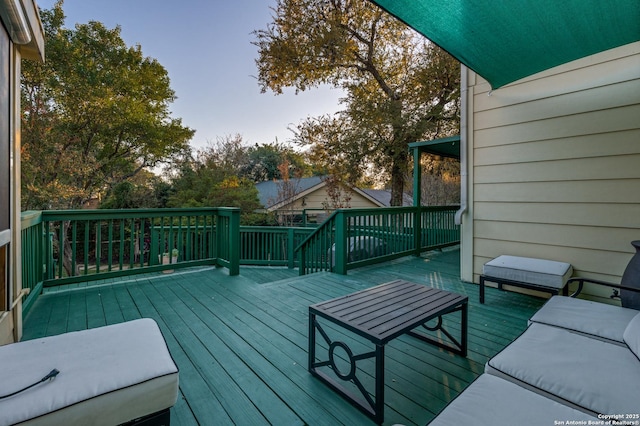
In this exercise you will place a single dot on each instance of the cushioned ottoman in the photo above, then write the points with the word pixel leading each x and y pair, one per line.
pixel 108 376
pixel 535 274
pixel 493 401
pixel 594 319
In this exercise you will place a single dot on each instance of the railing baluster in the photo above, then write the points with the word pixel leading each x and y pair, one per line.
pixel 98 251
pixel 121 247
pixel 187 239
pixel 74 246
pixel 132 244
pixel 110 245
pixel 87 231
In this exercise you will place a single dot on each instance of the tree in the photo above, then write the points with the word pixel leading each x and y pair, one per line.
pixel 145 190
pixel 400 88
pixel 95 114
pixel 339 196
pixel 264 162
pixel 288 188
pixel 440 180
pixel 212 179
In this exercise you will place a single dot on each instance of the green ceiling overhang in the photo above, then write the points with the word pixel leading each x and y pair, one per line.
pixel 504 41
pixel 445 147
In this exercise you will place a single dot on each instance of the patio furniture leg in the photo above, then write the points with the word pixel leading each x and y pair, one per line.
pixel 371 405
pixel 458 347
pixel 379 396
pixel 481 289
pixel 312 341
pixel 464 326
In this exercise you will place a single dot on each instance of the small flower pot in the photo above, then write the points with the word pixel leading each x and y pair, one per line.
pixel 164 259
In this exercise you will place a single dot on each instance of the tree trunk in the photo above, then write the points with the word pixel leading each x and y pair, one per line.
pixel 398 169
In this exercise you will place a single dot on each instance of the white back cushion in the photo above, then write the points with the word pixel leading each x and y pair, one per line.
pixel 632 335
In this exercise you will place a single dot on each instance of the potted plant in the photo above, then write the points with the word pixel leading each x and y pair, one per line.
pixel 169 257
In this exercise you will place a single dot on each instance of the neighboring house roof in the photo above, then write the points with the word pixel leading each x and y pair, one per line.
pixel 270 196
pixel 384 197
pixel 268 191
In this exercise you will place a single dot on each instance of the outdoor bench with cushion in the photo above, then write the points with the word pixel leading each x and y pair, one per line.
pixel 544 275
pixel 578 360
pixel 118 374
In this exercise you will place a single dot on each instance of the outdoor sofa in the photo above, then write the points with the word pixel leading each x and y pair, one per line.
pixel 578 361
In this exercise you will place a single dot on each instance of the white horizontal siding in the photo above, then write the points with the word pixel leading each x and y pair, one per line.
pixel 315 200
pixel 568 192
pixel 609 215
pixel 556 165
pixel 620 167
pixel 590 145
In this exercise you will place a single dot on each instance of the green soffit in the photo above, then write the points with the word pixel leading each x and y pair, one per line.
pixel 446 147
pixel 506 40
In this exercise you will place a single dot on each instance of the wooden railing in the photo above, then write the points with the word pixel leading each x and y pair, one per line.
pixel 270 246
pixel 34 241
pixel 82 245
pixel 63 247
pixel 356 237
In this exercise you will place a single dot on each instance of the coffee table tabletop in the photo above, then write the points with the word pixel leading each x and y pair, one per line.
pixel 384 312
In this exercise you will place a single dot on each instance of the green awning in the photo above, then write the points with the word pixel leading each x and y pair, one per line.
pixel 504 41
pixel 445 147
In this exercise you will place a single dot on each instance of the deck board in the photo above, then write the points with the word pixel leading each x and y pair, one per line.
pixel 241 342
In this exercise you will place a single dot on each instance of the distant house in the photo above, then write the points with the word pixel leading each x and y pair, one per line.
pixel 292 199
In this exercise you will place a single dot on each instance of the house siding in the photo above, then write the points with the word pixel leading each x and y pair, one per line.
pixel 555 166
pixel 316 198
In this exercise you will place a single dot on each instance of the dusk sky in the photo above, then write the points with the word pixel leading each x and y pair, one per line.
pixel 205 46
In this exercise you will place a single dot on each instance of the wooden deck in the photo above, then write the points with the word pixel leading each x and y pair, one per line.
pixel 241 342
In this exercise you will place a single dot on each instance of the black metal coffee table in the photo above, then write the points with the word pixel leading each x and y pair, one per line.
pixel 380 314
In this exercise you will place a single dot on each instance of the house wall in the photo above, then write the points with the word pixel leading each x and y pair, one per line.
pixel 314 200
pixel 555 166
pixel 10 253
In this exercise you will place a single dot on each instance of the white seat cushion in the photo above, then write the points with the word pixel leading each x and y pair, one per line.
pixel 592 318
pixel 108 375
pixel 545 273
pixel 573 368
pixel 493 401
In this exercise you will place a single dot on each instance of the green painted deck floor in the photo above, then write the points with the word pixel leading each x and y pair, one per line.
pixel 241 342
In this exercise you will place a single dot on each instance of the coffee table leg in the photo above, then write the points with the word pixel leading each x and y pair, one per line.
pixel 464 325
pixel 379 404
pixel 371 405
pixel 312 341
pixel 458 347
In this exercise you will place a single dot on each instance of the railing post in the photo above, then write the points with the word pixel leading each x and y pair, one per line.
pixel 302 268
pixel 291 249
pixel 234 242
pixel 341 242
